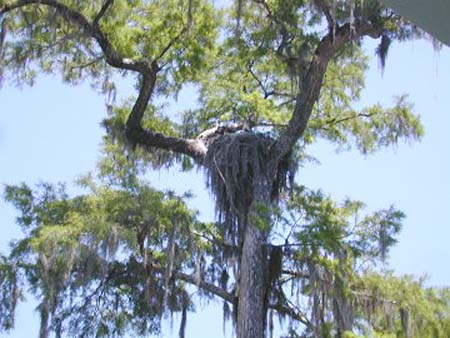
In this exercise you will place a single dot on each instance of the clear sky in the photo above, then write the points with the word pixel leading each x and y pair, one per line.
pixel 51 132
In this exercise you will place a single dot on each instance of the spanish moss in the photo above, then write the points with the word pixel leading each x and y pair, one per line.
pixel 382 50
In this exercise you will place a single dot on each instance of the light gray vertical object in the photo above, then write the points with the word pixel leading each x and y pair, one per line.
pixel 432 16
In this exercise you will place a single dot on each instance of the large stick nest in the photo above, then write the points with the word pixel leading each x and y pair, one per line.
pixel 235 162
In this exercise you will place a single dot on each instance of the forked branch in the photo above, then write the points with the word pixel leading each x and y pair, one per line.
pixel 148 70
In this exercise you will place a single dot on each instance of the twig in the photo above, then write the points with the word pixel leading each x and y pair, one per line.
pixel 102 12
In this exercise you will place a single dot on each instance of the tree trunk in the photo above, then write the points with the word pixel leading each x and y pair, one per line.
pixel 44 312
pixel 252 286
pixel 252 307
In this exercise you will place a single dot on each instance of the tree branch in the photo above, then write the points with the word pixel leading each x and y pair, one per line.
pixel 334 121
pixel 87 64
pixel 171 43
pixel 211 288
pixel 205 286
pixel 102 12
pixel 148 138
pixel 295 274
pixel 91 30
pixel 327 10
pixel 311 84
pixel 258 80
pixel 285 310
pixel 218 242
pixel 269 13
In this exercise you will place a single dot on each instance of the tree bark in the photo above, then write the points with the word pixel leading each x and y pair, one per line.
pixel 252 286
pixel 252 302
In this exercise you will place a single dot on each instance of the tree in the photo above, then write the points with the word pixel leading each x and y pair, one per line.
pixel 279 76
pixel 116 259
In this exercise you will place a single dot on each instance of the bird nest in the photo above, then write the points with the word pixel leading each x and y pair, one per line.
pixel 235 162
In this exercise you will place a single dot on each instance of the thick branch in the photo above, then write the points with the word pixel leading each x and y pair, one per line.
pixel 205 286
pixel 148 138
pixel 311 84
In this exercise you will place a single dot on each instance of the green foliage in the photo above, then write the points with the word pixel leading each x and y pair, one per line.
pixel 10 293
pixel 322 227
pixel 371 128
pixel 335 248
pixel 118 258
pixel 426 309
pixel 39 40
pixel 99 262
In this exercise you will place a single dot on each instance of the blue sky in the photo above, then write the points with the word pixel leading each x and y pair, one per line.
pixel 51 132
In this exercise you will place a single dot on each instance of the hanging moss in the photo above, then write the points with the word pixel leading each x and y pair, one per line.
pixel 383 49
pixel 275 264
pixel 10 293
